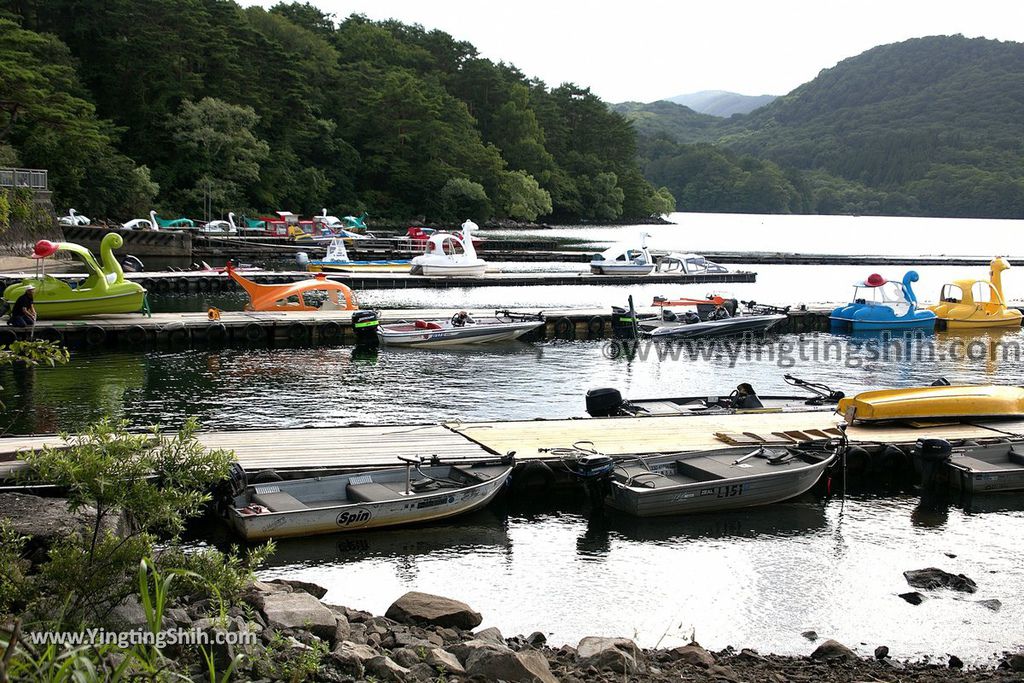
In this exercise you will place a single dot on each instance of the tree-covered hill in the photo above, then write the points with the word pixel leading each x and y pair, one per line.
pixel 930 126
pixel 202 106
pixel 721 102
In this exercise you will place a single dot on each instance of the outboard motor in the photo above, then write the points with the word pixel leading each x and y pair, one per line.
pixel 364 325
pixel 930 457
pixel 623 323
pixel 132 264
pixel 302 259
pixel 603 402
pixel 225 491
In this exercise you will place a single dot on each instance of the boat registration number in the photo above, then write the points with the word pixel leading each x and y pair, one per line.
pixel 727 491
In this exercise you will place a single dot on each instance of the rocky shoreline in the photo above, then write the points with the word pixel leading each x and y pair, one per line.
pixel 425 637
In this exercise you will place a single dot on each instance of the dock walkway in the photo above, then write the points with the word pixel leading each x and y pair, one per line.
pixel 335 449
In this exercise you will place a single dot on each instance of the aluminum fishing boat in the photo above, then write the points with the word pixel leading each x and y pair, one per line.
pixel 460 329
pixel 990 468
pixel 710 481
pixel 399 496
pixel 607 402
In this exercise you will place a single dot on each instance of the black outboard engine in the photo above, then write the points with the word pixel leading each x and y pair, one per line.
pixel 364 325
pixel 132 264
pixel 623 323
pixel 603 402
pixel 930 457
pixel 225 492
pixel 594 471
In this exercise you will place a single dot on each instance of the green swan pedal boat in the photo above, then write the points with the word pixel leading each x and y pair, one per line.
pixel 104 290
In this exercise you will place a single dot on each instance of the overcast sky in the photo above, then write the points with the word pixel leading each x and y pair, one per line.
pixel 646 50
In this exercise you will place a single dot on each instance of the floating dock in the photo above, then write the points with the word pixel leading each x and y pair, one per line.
pixel 308 451
pixel 135 331
pixel 210 281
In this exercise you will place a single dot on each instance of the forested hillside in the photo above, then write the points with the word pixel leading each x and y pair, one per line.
pixel 201 107
pixel 721 102
pixel 930 126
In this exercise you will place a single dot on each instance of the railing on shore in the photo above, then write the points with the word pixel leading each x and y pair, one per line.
pixel 32 178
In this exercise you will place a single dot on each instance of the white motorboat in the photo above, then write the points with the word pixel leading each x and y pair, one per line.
pixel 625 258
pixel 398 496
pixel 460 329
pixel 690 264
pixel 450 254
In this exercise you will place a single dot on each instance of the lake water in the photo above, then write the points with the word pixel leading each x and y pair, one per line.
pixel 753 578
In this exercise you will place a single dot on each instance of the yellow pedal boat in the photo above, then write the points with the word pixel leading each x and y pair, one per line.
pixel 976 304
pixel 929 403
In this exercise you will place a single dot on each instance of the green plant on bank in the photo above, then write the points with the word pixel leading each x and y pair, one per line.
pixel 289 660
pixel 21 661
pixel 18 207
pixel 211 572
pixel 129 487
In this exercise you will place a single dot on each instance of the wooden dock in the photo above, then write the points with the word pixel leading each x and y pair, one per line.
pixel 208 281
pixel 337 449
pixel 247 328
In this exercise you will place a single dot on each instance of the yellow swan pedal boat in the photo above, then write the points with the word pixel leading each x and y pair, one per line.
pixel 976 304
pixel 939 402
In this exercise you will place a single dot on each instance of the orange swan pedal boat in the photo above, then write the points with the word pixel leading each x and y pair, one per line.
pixel 290 296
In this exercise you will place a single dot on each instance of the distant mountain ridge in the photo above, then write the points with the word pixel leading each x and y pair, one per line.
pixel 721 103
pixel 929 126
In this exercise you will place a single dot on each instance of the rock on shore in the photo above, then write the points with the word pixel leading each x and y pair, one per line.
pixel 426 637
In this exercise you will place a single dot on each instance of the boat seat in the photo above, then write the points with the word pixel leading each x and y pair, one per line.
pixel 696 473
pixel 977 465
pixel 470 474
pixel 370 493
pixel 278 501
pixel 1016 458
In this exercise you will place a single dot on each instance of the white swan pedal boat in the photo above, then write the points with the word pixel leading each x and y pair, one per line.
pixel 398 496
pixel 460 329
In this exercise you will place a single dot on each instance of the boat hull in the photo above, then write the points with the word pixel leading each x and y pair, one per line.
pixel 363 515
pixel 724 493
pixel 624 269
pixel 361 267
pixel 481 333
pixel 994 468
pixel 714 328
pixel 449 271
pixel 124 302
pixel 942 402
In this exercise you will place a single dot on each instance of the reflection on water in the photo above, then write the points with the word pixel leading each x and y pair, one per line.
pixel 263 387
pixel 755 577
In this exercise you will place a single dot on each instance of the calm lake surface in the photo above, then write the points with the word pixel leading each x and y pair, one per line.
pixel 755 578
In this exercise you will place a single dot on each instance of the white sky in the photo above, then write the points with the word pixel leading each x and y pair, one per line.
pixel 646 50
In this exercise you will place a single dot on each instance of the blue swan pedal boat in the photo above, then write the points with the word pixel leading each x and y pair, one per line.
pixel 880 304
